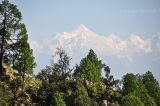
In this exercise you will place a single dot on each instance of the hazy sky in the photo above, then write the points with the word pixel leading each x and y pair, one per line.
pixel 121 17
pixel 103 16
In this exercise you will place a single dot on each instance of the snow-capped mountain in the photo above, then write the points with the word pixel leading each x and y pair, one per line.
pixel 110 48
pixel 76 41
pixel 79 41
pixel 75 38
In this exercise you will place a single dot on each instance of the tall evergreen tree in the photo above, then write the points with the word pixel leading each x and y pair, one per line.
pixel 94 59
pixel 15 50
pixel 152 86
pixel 129 84
pixel 90 67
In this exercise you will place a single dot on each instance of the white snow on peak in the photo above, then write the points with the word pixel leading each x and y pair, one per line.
pixel 81 39
pixel 76 39
pixel 82 28
pixel 80 33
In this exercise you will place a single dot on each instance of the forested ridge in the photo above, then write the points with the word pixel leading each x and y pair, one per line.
pixel 59 84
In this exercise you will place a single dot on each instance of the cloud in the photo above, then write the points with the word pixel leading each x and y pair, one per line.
pixel 142 45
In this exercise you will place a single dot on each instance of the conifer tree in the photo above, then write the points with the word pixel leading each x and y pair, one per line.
pixel 152 86
pixel 90 67
pixel 15 49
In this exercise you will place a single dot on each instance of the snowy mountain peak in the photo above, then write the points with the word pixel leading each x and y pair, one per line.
pixel 82 28
pixel 81 32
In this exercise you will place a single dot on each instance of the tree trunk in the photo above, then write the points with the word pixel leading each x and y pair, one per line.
pixel 2 44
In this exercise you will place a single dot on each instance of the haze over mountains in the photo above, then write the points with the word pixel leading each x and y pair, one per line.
pixel 123 54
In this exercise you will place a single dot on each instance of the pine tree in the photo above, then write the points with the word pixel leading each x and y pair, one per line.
pixel 15 50
pixel 90 68
pixel 94 59
pixel 152 86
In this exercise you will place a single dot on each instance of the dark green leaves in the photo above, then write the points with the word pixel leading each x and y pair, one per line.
pixel 90 68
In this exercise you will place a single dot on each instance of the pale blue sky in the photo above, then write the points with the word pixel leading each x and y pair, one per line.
pixel 103 16
pixel 121 17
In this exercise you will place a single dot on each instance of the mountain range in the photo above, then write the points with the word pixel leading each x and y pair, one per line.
pixel 124 53
pixel 81 39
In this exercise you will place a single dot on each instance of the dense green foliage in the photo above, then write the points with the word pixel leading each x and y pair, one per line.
pixel 60 85
pixel 132 84
pixel 131 100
